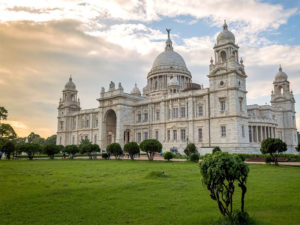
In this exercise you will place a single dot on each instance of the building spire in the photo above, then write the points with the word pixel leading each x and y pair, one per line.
pixel 280 68
pixel 225 27
pixel 169 46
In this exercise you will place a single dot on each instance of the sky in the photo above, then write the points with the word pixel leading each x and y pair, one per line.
pixel 43 42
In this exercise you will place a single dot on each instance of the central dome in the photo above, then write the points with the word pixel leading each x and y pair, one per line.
pixel 168 60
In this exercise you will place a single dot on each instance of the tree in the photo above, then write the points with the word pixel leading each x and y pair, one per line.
pixel 216 149
pixel 190 149
pixel 7 131
pixel 3 113
pixel 8 148
pixel 95 148
pixel 132 148
pixel 195 157
pixel 219 173
pixel 51 140
pixel 51 150
pixel 168 155
pixel 114 149
pixel 71 150
pixel 35 138
pixel 273 146
pixel 86 148
pixel 29 148
pixel 151 146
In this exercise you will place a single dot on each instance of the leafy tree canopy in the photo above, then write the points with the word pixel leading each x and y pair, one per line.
pixel 3 113
pixel 132 148
pixel 273 146
pixel 190 149
pixel 151 146
pixel 114 149
pixel 51 140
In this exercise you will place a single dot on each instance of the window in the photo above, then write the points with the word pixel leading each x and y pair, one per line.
pixel 145 117
pixel 200 110
pixel 243 131
pixel 145 135
pixel 96 123
pixel 223 56
pixel 139 137
pixel 174 135
pixel 169 113
pixel 254 134
pixel 169 135
pixel 156 135
pixel 86 137
pixel 182 112
pixel 175 112
pixel 95 139
pixel 60 140
pixel 182 134
pixel 157 115
pixel 200 135
pixel 61 125
pixel 222 105
pixel 223 131
pixel 241 104
pixel 250 134
pixel 139 117
pixel 87 123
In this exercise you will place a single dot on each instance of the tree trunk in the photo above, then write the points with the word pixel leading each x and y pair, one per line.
pixel 244 189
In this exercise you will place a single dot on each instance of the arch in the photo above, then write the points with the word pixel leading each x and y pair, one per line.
pixel 111 126
pixel 235 54
pixel 223 56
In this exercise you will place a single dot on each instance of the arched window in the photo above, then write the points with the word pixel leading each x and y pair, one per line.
pixel 235 56
pixel 223 56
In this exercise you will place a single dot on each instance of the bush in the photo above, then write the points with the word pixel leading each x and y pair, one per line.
pixel 105 156
pixel 71 150
pixel 132 148
pixel 114 149
pixel 51 150
pixel 216 149
pixel 151 146
pixel 190 149
pixel 195 157
pixel 168 155
pixel 219 173
pixel 268 159
pixel 273 146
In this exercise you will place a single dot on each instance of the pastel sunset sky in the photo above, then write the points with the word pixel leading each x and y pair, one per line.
pixel 97 41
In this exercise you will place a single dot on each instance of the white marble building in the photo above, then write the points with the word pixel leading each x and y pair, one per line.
pixel 176 111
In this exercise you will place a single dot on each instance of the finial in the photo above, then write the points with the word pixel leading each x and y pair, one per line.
pixel 280 69
pixel 241 61
pixel 168 30
pixel 225 25
pixel 70 78
pixel 211 60
pixel 168 42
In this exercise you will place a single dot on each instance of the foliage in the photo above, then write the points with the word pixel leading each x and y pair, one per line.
pixel 298 148
pixel 216 149
pixel 71 150
pixel 87 147
pixel 268 159
pixel 219 172
pixel 29 148
pixel 7 131
pixel 151 146
pixel 237 218
pixel 51 150
pixel 194 157
pixel 3 113
pixel 35 139
pixel 132 148
pixel 168 155
pixel 95 148
pixel 190 149
pixel 51 140
pixel 8 147
pixel 105 156
pixel 114 149
pixel 273 146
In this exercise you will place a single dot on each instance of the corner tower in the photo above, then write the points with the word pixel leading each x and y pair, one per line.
pixel 227 85
pixel 68 104
pixel 282 99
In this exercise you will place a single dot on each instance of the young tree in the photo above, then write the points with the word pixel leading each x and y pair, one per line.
pixel 51 150
pixel 86 148
pixel 71 150
pixel 132 148
pixel 219 173
pixel 190 149
pixel 168 155
pixel 151 146
pixel 216 149
pixel 273 146
pixel 8 148
pixel 114 149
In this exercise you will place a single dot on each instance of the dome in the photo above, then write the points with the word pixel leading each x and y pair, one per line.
pixel 173 82
pixel 281 76
pixel 136 91
pixel 225 36
pixel 70 85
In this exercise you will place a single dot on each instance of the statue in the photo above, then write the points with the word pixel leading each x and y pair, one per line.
pixel 168 30
pixel 111 86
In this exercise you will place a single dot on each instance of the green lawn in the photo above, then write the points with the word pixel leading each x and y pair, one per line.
pixel 124 192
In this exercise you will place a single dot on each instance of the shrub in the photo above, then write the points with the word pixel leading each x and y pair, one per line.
pixel 105 156
pixel 51 150
pixel 151 146
pixel 190 149
pixel 268 159
pixel 114 149
pixel 273 146
pixel 168 155
pixel 219 173
pixel 71 150
pixel 216 149
pixel 195 157
pixel 132 148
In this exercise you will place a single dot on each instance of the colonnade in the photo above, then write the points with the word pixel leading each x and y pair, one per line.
pixel 258 133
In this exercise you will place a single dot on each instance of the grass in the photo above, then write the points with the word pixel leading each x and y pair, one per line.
pixel 135 192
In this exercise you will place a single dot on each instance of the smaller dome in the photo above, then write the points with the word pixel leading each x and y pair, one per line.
pixel 70 85
pixel 136 91
pixel 225 36
pixel 173 82
pixel 281 76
